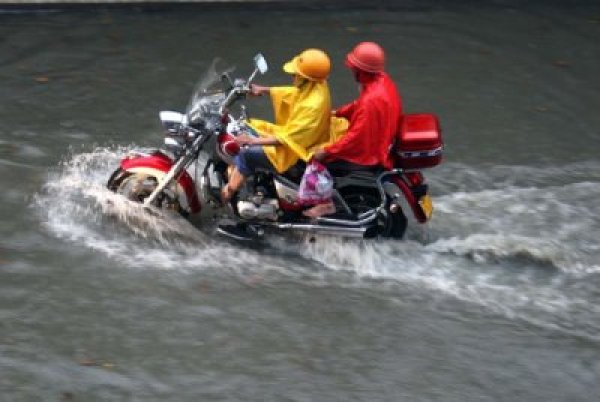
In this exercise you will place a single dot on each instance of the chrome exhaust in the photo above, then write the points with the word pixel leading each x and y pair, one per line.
pixel 363 219
pixel 355 232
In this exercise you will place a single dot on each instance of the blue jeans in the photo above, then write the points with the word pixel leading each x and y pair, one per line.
pixel 252 158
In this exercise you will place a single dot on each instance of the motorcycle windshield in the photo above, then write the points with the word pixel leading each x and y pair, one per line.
pixel 209 92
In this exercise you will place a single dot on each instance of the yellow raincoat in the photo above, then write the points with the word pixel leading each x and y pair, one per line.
pixel 302 123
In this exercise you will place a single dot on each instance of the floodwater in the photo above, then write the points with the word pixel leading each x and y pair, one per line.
pixel 497 299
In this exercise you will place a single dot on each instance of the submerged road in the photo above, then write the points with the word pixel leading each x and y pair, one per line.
pixel 496 299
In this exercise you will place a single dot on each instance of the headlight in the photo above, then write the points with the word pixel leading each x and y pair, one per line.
pixel 171 142
pixel 172 121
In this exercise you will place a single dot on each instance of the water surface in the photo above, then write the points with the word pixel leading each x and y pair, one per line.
pixel 496 299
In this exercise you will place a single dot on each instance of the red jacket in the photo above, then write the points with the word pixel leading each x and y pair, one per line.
pixel 374 119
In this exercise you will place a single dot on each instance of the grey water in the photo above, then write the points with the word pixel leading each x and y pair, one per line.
pixel 496 299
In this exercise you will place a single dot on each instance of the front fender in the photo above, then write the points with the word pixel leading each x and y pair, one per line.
pixel 158 164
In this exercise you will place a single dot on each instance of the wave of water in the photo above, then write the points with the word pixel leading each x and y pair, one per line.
pixel 75 205
pixel 554 225
pixel 525 249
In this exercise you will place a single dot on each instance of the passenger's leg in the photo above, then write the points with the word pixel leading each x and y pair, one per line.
pixel 320 210
pixel 336 168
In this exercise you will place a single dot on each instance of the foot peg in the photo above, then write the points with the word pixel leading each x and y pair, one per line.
pixel 240 231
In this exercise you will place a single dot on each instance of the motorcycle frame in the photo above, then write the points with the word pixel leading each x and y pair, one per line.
pixel 191 153
pixel 347 227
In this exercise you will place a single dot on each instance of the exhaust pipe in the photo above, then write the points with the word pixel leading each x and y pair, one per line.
pixel 354 232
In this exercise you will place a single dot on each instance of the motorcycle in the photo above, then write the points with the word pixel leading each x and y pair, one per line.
pixel 369 201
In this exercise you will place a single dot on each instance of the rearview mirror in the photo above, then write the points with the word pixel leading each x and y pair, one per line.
pixel 261 63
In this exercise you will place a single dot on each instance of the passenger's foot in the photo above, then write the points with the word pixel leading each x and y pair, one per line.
pixel 320 210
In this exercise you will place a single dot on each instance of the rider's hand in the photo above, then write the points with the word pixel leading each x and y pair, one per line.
pixel 244 139
pixel 258 90
pixel 319 155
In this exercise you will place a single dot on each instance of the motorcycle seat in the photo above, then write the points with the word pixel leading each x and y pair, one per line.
pixel 343 168
pixel 336 168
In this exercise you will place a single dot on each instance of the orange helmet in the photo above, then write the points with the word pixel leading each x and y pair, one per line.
pixel 312 64
pixel 366 56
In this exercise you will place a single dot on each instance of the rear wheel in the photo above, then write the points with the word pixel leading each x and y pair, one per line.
pixel 138 186
pixel 393 223
pixel 390 225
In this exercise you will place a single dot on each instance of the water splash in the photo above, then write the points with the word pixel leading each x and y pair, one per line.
pixel 554 225
pixel 526 251
pixel 75 205
pixel 521 250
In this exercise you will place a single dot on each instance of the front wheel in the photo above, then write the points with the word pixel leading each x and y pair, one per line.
pixel 138 186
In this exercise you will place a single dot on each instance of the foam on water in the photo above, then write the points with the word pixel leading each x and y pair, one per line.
pixel 76 205
pixel 527 253
pixel 550 299
pixel 553 222
pixel 518 249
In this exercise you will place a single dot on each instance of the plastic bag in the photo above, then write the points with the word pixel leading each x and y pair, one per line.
pixel 316 186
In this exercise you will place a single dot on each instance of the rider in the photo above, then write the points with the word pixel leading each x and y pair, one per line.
pixel 373 117
pixel 302 121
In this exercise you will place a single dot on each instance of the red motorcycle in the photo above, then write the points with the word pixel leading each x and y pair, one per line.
pixel 369 201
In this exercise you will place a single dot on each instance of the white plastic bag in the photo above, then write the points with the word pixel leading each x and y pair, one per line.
pixel 316 186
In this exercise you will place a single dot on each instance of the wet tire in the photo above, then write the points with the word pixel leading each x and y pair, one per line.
pixel 115 179
pixel 389 225
pixel 393 224
pixel 137 187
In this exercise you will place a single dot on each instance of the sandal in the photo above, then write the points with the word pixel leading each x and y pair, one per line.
pixel 320 210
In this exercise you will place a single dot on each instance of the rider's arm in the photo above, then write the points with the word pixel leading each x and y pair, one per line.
pixel 258 90
pixel 350 142
pixel 245 139
pixel 346 111
pixel 265 141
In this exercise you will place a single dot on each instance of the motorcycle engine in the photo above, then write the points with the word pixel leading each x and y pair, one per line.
pixel 266 209
pixel 257 204
pixel 257 200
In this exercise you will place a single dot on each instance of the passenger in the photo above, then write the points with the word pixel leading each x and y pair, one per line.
pixel 374 117
pixel 302 121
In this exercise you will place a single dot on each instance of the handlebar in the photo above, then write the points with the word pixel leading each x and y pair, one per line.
pixel 239 88
pixel 235 92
